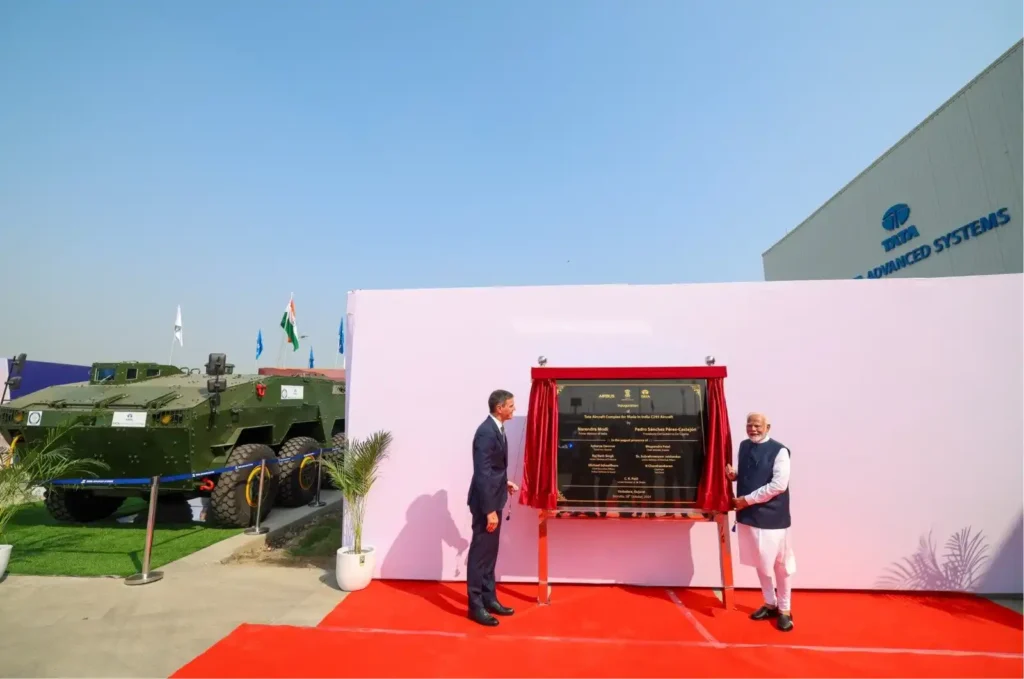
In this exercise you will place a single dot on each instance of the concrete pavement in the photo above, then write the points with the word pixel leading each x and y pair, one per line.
pixel 100 627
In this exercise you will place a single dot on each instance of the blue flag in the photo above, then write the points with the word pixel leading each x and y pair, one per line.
pixel 311 357
pixel 341 336
pixel 259 344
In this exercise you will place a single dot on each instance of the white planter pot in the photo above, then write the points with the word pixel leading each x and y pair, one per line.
pixel 5 558
pixel 354 571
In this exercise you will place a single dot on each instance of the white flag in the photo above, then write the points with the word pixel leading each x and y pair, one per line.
pixel 177 328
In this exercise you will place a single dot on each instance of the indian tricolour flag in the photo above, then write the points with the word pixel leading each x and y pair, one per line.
pixel 288 324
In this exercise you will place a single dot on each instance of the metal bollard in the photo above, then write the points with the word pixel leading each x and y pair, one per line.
pixel 146 576
pixel 317 502
pixel 257 529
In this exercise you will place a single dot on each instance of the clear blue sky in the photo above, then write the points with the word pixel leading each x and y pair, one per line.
pixel 221 155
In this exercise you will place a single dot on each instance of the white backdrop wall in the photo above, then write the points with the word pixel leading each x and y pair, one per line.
pixel 900 399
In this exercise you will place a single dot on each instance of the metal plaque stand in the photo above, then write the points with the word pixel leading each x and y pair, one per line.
pixel 316 501
pixel 258 529
pixel 720 519
pixel 146 577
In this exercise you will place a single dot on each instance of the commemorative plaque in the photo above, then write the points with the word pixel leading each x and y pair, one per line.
pixel 630 445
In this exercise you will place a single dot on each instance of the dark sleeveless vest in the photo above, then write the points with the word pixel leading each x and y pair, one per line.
pixel 755 470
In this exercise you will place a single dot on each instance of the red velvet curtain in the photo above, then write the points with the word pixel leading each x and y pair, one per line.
pixel 714 493
pixel 540 481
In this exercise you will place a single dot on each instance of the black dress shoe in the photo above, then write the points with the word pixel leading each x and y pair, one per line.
pixel 764 613
pixel 498 609
pixel 482 617
pixel 785 622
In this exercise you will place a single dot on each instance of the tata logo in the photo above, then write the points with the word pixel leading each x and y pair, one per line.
pixel 893 220
pixel 896 216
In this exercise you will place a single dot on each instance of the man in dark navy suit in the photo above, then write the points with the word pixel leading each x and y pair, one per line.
pixel 488 492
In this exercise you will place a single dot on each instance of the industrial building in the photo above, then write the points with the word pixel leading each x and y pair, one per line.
pixel 946 200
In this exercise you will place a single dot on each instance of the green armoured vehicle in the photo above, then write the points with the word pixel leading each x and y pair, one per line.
pixel 149 419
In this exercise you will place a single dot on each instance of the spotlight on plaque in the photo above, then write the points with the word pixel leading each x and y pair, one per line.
pixel 542 361
pixel 709 360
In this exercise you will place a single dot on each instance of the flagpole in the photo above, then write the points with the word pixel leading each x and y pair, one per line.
pixel 341 341
pixel 284 337
pixel 259 350
pixel 174 336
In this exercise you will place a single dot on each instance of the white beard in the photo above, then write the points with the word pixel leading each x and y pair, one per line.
pixel 756 439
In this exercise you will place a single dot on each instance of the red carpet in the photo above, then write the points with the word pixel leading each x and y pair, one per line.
pixel 414 629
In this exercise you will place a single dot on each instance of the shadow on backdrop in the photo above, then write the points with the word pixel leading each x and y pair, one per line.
pixel 429 526
pixel 941 578
pixel 1005 574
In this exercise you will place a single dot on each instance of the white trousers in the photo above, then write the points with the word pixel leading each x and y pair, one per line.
pixel 779 593
pixel 770 552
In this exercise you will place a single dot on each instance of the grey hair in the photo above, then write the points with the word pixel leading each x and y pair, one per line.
pixel 497 398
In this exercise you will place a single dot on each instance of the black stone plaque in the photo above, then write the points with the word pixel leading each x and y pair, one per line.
pixel 630 446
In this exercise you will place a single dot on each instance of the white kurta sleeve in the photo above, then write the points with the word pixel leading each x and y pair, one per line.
pixel 779 482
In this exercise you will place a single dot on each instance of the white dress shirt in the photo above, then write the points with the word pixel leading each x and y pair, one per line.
pixel 501 427
pixel 779 482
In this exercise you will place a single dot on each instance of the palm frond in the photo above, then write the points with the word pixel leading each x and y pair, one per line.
pixel 355 473
pixel 958 570
pixel 32 464
pixel 965 554
pixel 917 571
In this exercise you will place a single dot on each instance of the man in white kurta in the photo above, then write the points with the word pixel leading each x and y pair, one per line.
pixel 763 519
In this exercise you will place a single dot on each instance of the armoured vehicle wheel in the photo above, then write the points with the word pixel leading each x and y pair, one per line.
pixel 338 441
pixel 297 479
pixel 233 500
pixel 80 506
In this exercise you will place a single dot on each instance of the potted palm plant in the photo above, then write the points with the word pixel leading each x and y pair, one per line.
pixel 27 465
pixel 354 473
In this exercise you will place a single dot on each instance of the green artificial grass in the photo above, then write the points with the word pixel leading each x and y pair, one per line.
pixel 322 539
pixel 44 546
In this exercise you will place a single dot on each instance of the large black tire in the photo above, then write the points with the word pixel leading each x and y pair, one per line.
pixel 338 441
pixel 233 499
pixel 80 506
pixel 297 478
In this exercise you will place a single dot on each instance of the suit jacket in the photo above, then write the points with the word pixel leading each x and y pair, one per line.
pixel 488 491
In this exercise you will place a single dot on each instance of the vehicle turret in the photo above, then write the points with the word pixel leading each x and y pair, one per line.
pixel 126 372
